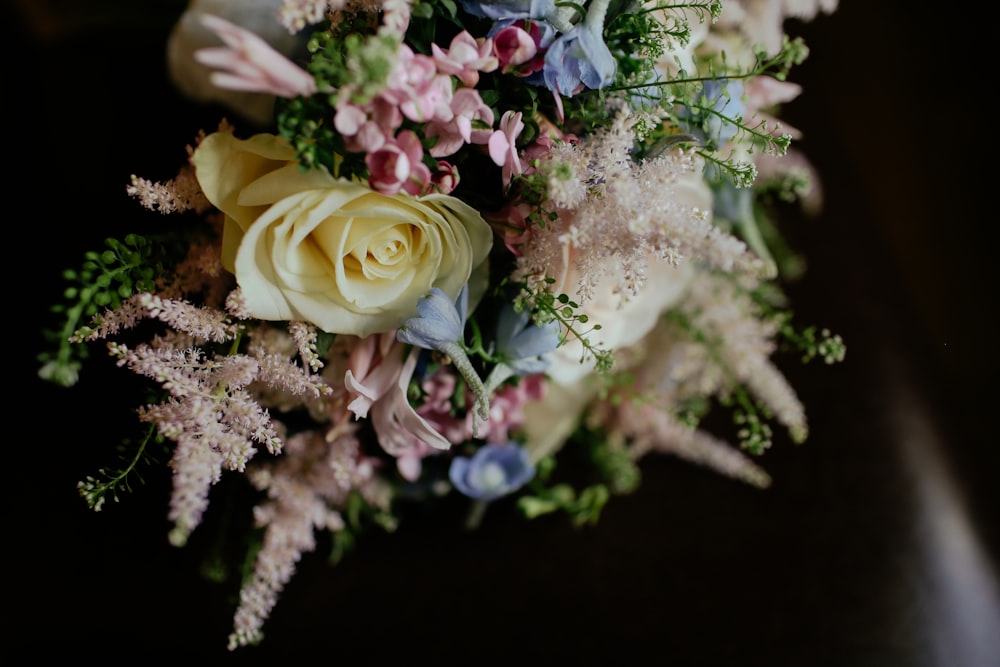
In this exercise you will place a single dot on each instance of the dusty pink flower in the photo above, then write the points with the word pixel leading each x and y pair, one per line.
pixel 398 165
pixel 446 177
pixel 417 88
pixel 378 378
pixel 366 129
pixel 516 51
pixel 368 377
pixel 437 407
pixel 397 424
pixel 507 408
pixel 512 224
pixel 503 150
pixel 250 64
pixel 467 108
pixel 466 58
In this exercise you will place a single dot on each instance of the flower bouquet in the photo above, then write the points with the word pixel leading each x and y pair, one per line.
pixel 442 248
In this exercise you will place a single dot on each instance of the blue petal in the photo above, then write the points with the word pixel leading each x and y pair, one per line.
pixel 579 56
pixel 510 9
pixel 439 323
pixel 476 477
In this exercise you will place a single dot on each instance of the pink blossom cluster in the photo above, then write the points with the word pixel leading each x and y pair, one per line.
pixel 438 92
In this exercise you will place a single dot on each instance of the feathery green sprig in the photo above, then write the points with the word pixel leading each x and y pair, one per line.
pixel 124 268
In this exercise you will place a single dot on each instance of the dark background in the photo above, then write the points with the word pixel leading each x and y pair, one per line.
pixel 877 544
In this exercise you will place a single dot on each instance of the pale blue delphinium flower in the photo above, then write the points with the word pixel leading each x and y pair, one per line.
pixel 510 9
pixel 440 325
pixel 495 470
pixel 440 322
pixel 521 346
pixel 580 56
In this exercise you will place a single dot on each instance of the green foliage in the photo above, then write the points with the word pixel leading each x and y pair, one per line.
pixel 124 268
pixel 751 418
pixel 358 516
pixel 813 342
pixel 612 470
pixel 109 482
pixel 583 508
pixel 546 306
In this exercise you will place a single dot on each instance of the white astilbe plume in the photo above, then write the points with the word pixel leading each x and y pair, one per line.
pixel 297 14
pixel 178 195
pixel 304 488
pixel 649 428
pixel 617 215
pixel 743 343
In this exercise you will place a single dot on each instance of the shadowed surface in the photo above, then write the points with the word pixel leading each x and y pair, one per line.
pixel 876 545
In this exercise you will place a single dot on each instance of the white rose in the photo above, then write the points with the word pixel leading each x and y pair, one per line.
pixel 307 246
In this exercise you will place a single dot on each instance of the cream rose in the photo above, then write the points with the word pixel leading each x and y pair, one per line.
pixel 307 246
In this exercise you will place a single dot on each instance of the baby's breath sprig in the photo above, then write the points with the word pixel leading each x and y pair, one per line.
pixel 751 417
pixel 750 414
pixel 546 306
pixel 813 342
pixel 110 482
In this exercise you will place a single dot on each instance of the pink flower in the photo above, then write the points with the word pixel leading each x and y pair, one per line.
pixel 398 165
pixel 503 150
pixel 417 88
pixel 366 130
pixel 250 63
pixel 467 108
pixel 437 407
pixel 512 224
pixel 446 177
pixel 368 377
pixel 518 50
pixel 378 378
pixel 396 423
pixel 466 58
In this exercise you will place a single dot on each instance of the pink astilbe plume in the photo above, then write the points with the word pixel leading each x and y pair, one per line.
pixel 616 215
pixel 214 411
pixel 305 489
pixel 214 421
pixel 178 195
pixel 200 272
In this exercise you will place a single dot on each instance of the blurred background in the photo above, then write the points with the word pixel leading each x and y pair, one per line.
pixel 877 544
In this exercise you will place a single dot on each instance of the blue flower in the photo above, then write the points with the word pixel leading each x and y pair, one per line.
pixel 440 325
pixel 440 322
pixel 580 57
pixel 493 471
pixel 577 57
pixel 510 9
pixel 522 344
